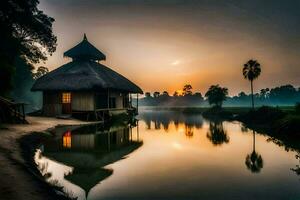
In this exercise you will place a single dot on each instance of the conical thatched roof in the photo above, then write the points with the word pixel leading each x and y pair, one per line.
pixel 85 50
pixel 84 74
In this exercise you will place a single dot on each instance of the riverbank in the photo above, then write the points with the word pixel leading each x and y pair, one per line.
pixel 17 181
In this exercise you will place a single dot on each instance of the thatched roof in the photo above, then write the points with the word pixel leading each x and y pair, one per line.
pixel 84 74
pixel 85 50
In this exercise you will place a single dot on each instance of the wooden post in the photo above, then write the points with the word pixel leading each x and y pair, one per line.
pixel 137 130
pixel 108 98
pixel 23 110
pixel 108 140
pixel 137 103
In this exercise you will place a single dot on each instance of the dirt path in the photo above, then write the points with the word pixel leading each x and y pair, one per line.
pixel 16 182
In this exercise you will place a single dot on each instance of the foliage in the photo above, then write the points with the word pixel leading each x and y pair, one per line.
pixel 251 70
pixel 156 94
pixel 41 71
pixel 263 115
pixel 297 108
pixel 289 125
pixel 216 95
pixel 216 113
pixel 187 90
pixel 282 95
pixel 26 32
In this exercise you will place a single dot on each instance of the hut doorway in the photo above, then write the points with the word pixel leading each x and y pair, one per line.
pixel 66 103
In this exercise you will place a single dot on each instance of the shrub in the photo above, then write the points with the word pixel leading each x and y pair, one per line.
pixel 263 115
pixel 289 125
pixel 297 107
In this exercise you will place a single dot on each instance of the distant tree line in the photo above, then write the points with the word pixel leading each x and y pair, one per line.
pixel 216 95
pixel 183 98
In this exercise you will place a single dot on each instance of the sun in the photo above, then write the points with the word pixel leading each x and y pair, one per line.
pixel 179 92
pixel 176 62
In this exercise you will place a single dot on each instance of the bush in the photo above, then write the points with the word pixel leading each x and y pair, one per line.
pixel 297 107
pixel 263 115
pixel 217 112
pixel 289 125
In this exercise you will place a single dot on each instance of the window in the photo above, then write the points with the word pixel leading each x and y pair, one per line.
pixel 112 102
pixel 67 139
pixel 66 97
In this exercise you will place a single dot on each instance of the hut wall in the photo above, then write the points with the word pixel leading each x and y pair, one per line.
pixel 119 99
pixel 51 103
pixel 83 101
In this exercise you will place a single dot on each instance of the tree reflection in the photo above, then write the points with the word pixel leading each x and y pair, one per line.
pixel 156 120
pixel 216 134
pixel 189 131
pixel 254 161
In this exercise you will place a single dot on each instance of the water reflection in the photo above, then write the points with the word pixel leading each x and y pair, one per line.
pixel 75 159
pixel 254 161
pixel 210 160
pixel 162 120
pixel 216 134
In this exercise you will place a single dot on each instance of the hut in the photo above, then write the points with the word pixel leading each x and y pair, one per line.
pixel 85 86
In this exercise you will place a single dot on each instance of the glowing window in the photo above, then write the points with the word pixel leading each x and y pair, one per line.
pixel 66 97
pixel 67 139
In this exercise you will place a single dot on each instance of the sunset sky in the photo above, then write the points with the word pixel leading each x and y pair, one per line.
pixel 163 44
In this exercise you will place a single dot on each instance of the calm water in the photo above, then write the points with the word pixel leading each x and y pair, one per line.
pixel 168 155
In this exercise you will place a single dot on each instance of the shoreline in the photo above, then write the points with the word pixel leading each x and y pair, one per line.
pixel 21 182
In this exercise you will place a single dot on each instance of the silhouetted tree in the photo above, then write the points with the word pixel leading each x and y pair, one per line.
pixel 156 94
pixel 187 90
pixel 165 93
pixel 175 94
pixel 251 71
pixel 147 94
pixel 25 32
pixel 41 71
pixel 216 95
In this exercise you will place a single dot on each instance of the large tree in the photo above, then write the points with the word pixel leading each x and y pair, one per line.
pixel 216 95
pixel 251 71
pixel 26 33
pixel 187 90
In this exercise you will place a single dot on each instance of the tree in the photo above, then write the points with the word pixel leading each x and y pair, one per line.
pixel 41 71
pixel 216 95
pixel 165 93
pixel 147 94
pixel 26 32
pixel 156 94
pixel 251 71
pixel 175 94
pixel 187 90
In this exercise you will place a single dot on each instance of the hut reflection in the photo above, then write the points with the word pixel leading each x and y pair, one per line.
pixel 81 153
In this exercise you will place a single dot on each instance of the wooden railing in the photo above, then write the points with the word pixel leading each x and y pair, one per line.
pixel 11 111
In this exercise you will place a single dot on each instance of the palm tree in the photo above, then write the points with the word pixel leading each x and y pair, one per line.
pixel 251 71
pixel 254 161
